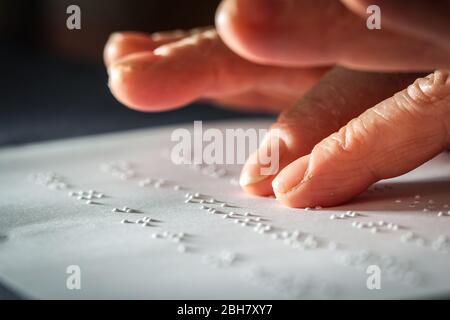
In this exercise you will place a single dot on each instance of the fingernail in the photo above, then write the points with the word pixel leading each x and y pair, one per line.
pixel 265 162
pixel 247 178
pixel 292 176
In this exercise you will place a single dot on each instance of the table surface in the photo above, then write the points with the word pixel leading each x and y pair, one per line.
pixel 46 98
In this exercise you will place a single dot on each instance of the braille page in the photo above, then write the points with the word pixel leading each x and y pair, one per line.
pixel 115 209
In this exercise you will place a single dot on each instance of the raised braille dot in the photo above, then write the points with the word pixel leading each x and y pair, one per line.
pixel 223 205
pixel 296 233
pixel 226 216
pixel 333 216
pixel 381 223
pixel 332 245
pixel 425 210
pixel 90 202
pixel 407 236
pixel 182 248
pixel 417 196
pixel 285 234
pixel 116 210
pixel 420 242
pixel 398 200
pixel 146 224
pixel 126 221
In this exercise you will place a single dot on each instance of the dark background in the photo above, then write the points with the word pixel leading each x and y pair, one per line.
pixel 53 82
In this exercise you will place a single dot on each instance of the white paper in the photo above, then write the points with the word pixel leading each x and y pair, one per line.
pixel 43 231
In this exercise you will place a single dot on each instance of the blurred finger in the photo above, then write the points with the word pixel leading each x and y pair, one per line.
pixel 198 66
pixel 320 32
pixel 121 44
pixel 418 18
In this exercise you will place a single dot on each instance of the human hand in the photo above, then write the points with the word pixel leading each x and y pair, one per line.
pixel 297 40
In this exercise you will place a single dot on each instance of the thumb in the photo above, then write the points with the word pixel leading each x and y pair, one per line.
pixel 387 140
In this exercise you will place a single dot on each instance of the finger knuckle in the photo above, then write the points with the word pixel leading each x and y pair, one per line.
pixel 427 100
pixel 350 139
pixel 427 90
